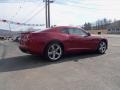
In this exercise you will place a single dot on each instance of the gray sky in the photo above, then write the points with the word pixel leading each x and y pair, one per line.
pixel 63 12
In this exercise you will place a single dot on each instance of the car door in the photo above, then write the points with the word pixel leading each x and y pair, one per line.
pixel 75 39
pixel 80 40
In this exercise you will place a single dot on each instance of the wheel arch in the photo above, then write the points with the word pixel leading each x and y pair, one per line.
pixel 104 40
pixel 54 41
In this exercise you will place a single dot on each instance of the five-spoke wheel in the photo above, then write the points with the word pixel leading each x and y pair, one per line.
pixel 102 47
pixel 54 51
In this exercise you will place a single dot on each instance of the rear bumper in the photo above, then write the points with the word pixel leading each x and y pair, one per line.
pixel 24 49
pixel 29 50
pixel 32 46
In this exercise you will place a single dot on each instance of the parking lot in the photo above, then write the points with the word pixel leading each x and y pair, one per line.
pixel 19 71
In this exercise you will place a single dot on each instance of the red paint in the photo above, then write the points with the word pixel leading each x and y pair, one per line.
pixel 35 42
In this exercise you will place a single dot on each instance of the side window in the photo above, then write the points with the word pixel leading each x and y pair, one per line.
pixel 65 30
pixel 77 31
pixel 83 33
pixel 73 31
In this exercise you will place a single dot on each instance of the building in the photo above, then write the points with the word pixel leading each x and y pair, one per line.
pixel 7 34
pixel 114 28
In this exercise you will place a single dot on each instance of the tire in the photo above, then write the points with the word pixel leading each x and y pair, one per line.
pixel 53 51
pixel 102 47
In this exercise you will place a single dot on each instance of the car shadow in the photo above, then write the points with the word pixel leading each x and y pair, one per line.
pixel 30 61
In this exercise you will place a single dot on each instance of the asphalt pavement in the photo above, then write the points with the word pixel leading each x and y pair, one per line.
pixel 88 71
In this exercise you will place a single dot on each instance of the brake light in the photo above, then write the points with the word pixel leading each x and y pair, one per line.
pixel 27 36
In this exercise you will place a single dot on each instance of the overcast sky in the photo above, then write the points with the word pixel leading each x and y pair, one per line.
pixel 63 12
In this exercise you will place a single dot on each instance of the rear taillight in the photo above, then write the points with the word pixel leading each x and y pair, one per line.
pixel 25 36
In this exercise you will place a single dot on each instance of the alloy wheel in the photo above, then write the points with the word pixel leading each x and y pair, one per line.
pixel 102 47
pixel 54 52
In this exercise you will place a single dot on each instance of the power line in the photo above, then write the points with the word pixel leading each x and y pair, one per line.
pixel 30 18
pixel 34 14
pixel 18 11
pixel 33 10
pixel 83 5
pixel 20 8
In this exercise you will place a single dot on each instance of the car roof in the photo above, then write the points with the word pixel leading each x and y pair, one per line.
pixel 55 29
pixel 66 27
pixel 58 28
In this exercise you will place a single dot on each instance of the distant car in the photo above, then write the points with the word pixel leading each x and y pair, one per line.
pixel 52 43
pixel 16 39
pixel 2 38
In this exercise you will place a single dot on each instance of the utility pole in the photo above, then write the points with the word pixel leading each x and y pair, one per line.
pixel 47 12
pixel 10 29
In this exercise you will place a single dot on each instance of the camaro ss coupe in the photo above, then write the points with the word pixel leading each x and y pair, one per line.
pixel 52 43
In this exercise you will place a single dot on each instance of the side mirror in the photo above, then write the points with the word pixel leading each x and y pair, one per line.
pixel 88 34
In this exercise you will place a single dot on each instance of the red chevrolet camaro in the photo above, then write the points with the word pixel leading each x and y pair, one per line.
pixel 52 43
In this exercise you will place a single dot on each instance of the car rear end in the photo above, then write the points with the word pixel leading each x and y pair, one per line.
pixel 33 42
pixel 25 42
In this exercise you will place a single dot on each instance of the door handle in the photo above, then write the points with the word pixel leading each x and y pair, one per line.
pixel 75 37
